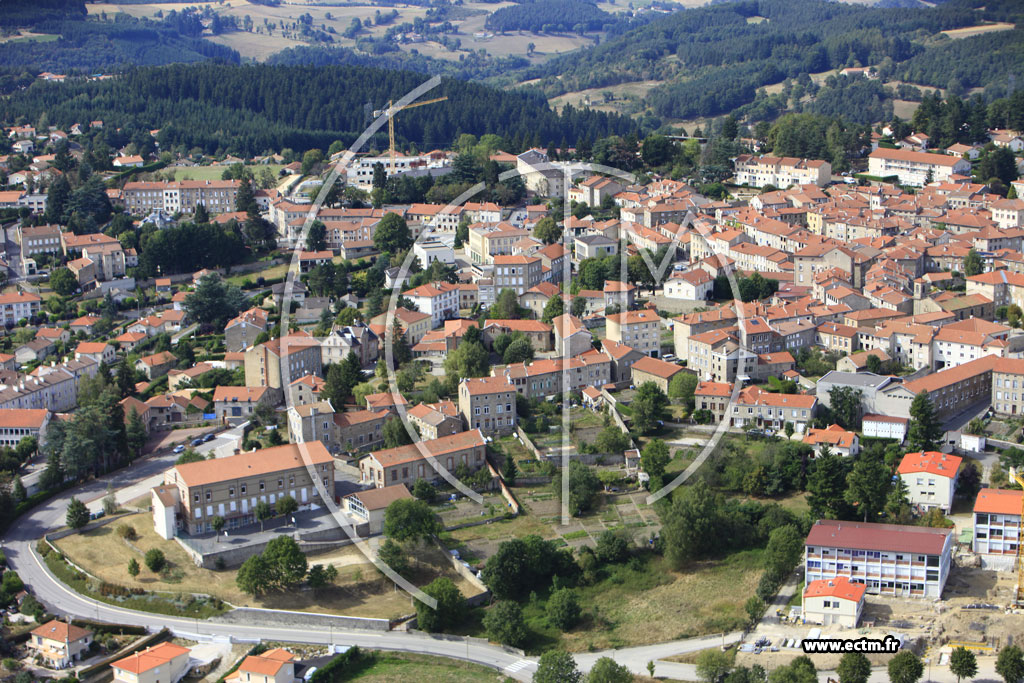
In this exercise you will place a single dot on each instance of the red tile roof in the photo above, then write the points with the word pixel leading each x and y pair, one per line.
pixel 999 502
pixel 931 462
pixel 839 587
pixel 831 533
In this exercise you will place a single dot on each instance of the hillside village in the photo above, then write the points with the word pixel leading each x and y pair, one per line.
pixel 851 342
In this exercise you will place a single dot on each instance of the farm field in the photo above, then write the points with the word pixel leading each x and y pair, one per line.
pixel 968 31
pixel 214 172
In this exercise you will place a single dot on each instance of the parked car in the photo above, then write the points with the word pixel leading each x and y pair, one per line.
pixel 209 437
pixel 197 442
pixel 179 449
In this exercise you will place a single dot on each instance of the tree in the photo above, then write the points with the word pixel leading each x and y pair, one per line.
pixel 546 230
pixel 506 306
pixel 470 359
pixel 310 159
pixel 654 458
pixel 925 429
pixel 391 554
pixel 255 576
pixel 854 667
pixel 63 281
pixel 218 525
pixel 155 560
pixel 424 490
pixel 286 560
pixel 316 238
pixel 392 234
pixel 713 664
pixel 583 487
pixel 607 670
pixel 905 667
pixel 77 515
pixel 133 567
pixel 449 610
pixel 286 505
pixel 408 519
pixel 846 406
pixel 826 484
pixel 563 609
pixel 611 547
pixel 557 666
pixel 754 607
pixel 578 306
pixel 648 406
pixel 962 663
pixel 509 470
pixel 553 308
pixel 214 301
pixel 867 486
pixel 135 431
pixel 319 576
pixel 682 386
pixel 262 512
pixel 973 265
pixel 504 623
pixel 519 351
pixel 1010 664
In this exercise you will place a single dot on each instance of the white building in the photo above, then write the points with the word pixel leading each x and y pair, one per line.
pixel 429 251
pixel 930 478
pixel 997 524
pixel 693 285
pixel 837 601
pixel 885 427
pixel 782 172
pixel 439 300
pixel 913 168
pixel 890 559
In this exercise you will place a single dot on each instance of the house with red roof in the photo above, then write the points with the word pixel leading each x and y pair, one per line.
pixel 836 601
pixel 838 440
pixel 59 643
pixel 163 663
pixel 930 478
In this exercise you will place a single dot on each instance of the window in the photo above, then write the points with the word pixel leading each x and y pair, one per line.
pixel 243 489
pixel 263 486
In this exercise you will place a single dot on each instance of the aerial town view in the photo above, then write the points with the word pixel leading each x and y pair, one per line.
pixel 582 341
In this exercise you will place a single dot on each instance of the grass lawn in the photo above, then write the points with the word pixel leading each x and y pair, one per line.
pixel 384 667
pixel 271 272
pixel 215 172
pixel 359 591
pixel 644 601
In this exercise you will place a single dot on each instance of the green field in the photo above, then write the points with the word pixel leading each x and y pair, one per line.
pixel 215 172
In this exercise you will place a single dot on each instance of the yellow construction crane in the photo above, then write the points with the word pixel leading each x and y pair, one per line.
pixel 1017 476
pixel 391 125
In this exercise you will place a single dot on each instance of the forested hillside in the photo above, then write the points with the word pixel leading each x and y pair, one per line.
pixel 252 109
pixel 714 59
pixel 86 47
pixel 550 15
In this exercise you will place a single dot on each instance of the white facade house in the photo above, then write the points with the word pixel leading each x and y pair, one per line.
pixel 429 251
pixel 694 285
pixel 885 427
pixel 913 168
pixel 837 601
pixel 930 478
pixel 439 300
pixel 759 171
pixel 997 524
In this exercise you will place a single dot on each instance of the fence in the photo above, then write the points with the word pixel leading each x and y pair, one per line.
pixel 527 442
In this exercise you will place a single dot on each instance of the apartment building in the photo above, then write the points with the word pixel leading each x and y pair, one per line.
pixel 889 559
pixel 638 329
pixel 572 338
pixel 44 239
pixel 915 168
pixel 488 404
pixel 1008 386
pixel 489 240
pixel 554 376
pixel 835 601
pixel 439 300
pixel 218 196
pixel 997 523
pixel 759 171
pixel 231 487
pixel 618 293
pixel 421 460
pixel 930 478
pixel 755 407
pixel 18 423
pixel 517 272
pixel 15 306
pixel 594 245
pixel 241 331
pixel 539 333
pixel 277 362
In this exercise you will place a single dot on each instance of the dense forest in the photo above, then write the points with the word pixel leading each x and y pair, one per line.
pixel 105 46
pixel 249 110
pixel 548 16
pixel 714 59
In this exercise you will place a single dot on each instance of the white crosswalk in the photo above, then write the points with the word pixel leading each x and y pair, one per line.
pixel 516 666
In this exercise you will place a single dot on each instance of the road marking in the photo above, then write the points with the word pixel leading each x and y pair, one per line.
pixel 517 666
